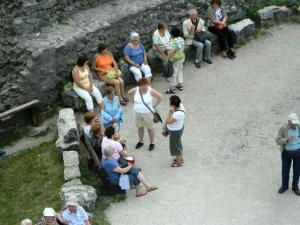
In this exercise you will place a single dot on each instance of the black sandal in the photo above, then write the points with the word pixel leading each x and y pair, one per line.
pixel 124 103
pixel 170 91
pixel 179 87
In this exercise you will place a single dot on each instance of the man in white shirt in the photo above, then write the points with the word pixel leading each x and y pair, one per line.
pixel 193 25
pixel 74 214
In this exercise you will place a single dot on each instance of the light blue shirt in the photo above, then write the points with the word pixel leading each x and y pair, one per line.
pixel 77 218
pixel 295 144
pixel 111 110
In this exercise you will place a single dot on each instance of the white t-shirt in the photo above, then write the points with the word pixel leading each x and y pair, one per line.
pixel 179 116
pixel 162 42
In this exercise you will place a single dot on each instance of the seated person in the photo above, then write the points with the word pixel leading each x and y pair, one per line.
pixel 112 112
pixel 109 72
pixel 89 119
pixel 109 140
pixel 97 134
pixel 135 176
pixel 161 42
pixel 136 57
pixel 26 222
pixel 74 214
pixel 192 26
pixel 83 83
pixel 50 217
pixel 217 24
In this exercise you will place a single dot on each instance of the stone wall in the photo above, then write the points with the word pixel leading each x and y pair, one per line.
pixel 34 65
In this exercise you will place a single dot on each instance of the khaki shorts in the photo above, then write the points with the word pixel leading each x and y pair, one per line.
pixel 144 120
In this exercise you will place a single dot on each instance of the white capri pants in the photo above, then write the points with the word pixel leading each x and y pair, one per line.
pixel 137 72
pixel 177 77
pixel 86 96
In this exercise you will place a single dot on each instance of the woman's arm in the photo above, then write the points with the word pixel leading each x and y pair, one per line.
pixel 145 57
pixel 90 78
pixel 170 119
pixel 128 60
pixel 157 95
pixel 160 50
pixel 123 170
pixel 131 93
pixel 170 53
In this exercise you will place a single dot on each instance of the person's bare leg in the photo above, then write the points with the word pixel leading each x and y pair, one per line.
pixel 141 134
pixel 143 180
pixel 151 135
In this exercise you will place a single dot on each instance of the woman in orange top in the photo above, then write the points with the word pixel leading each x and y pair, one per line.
pixel 108 71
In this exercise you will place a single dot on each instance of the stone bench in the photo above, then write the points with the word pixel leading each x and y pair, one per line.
pixel 243 30
pixel 72 100
pixel 85 194
pixel 272 14
pixel 66 121
pixel 71 165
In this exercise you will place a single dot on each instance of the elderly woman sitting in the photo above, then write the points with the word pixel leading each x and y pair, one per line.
pixel 112 113
pixel 50 217
pixel 136 57
pixel 135 176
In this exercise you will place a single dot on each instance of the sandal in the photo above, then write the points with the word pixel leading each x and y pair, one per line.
pixel 125 99
pixel 176 164
pixel 174 160
pixel 179 87
pixel 170 91
pixel 152 188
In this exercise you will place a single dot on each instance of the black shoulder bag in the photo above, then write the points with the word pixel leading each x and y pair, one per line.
pixel 156 116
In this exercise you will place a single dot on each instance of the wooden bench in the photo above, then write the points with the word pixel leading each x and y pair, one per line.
pixel 29 105
pixel 108 189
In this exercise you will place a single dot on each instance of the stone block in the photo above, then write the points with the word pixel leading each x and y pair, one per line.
pixel 66 121
pixel 126 74
pixel 271 14
pixel 71 172
pixel 243 30
pixel 70 158
pixel 72 100
pixel 85 194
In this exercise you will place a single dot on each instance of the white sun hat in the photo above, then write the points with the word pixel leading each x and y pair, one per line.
pixel 294 118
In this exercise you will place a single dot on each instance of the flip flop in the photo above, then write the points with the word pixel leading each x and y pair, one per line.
pixel 175 164
pixel 152 188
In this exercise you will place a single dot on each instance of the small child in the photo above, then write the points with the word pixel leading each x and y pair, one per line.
pixel 89 120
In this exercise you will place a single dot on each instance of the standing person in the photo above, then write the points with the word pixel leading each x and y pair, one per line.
pixel 174 127
pixel 217 24
pixel 143 116
pixel 74 214
pixel 161 42
pixel 192 26
pixel 112 112
pixel 83 83
pixel 176 46
pixel 136 57
pixel 289 140
pixel 108 71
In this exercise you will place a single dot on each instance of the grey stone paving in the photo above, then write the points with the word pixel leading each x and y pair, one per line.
pixel 232 169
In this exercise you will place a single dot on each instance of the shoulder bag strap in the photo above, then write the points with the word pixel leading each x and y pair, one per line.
pixel 144 101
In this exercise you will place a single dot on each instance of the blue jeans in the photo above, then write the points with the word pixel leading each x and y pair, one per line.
pixel 287 157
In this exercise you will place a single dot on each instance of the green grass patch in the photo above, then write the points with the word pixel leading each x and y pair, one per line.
pixel 30 181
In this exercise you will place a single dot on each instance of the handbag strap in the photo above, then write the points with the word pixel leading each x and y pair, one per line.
pixel 144 101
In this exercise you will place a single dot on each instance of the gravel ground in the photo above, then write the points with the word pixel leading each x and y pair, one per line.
pixel 232 166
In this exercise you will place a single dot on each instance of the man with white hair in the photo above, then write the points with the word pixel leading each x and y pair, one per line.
pixel 195 25
pixel 26 222
pixel 289 140
pixel 74 214
pixel 50 217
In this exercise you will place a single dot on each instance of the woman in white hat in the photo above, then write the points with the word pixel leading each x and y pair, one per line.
pixel 136 57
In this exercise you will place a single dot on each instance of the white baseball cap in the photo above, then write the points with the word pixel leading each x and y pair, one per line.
pixel 48 212
pixel 294 118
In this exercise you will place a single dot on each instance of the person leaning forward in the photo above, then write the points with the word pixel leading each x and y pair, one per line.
pixel 289 141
